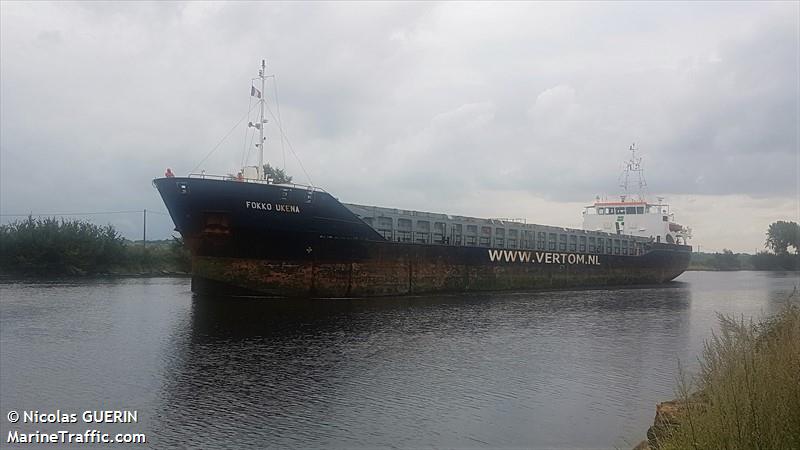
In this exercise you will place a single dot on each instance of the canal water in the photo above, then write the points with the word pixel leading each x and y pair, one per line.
pixel 563 369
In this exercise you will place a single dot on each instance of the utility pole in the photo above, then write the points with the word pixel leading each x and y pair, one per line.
pixel 144 228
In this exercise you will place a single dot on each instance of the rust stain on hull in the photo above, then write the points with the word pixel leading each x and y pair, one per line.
pixel 401 276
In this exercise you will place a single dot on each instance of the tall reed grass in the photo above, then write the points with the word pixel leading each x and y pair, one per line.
pixel 747 392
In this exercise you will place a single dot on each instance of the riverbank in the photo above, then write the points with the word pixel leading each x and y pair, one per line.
pixel 746 393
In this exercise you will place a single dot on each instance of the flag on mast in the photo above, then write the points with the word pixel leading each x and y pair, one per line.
pixel 255 92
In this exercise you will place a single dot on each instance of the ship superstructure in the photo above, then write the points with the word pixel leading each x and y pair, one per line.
pixel 632 214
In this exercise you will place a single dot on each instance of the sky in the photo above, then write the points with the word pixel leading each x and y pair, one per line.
pixel 519 110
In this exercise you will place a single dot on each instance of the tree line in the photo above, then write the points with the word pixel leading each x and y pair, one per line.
pixel 782 237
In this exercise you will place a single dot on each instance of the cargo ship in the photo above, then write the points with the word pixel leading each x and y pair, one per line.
pixel 252 235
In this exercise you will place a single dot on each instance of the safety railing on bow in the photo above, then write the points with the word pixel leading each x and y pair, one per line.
pixel 233 178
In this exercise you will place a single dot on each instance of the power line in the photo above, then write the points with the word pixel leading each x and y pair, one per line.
pixel 280 123
pixel 93 213
pixel 223 139
pixel 291 147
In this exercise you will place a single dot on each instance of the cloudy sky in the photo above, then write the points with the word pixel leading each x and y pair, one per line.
pixel 496 110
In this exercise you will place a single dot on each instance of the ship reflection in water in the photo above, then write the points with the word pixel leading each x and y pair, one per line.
pixel 568 369
pixel 463 371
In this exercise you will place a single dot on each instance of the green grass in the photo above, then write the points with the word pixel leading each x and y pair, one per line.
pixel 747 392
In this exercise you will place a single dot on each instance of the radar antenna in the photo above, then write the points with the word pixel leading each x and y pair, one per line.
pixel 633 169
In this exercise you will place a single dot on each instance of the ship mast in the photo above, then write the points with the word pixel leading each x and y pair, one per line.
pixel 633 166
pixel 262 75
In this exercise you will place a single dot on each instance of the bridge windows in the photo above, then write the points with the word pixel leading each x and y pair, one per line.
pixel 616 247
pixel 540 240
pixel 573 243
pixel 624 247
pixel 582 244
pixel 623 210
pixel 551 241
pixel 591 244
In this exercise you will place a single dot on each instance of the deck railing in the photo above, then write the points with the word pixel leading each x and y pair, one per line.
pixel 253 180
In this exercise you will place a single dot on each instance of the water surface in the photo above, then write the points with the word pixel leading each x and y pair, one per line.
pixel 563 369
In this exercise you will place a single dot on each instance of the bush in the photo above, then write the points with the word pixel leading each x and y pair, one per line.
pixel 727 260
pixel 52 246
pixel 771 261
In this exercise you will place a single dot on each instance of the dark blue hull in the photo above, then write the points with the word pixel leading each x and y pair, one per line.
pixel 292 241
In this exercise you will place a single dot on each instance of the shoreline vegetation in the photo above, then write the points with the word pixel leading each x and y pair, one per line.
pixel 729 261
pixel 780 236
pixel 50 247
pixel 746 393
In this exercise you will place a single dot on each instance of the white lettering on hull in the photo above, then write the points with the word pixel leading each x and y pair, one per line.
pixel 543 257
pixel 278 207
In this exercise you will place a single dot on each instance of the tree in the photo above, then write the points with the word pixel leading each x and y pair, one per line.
pixel 782 235
pixel 278 175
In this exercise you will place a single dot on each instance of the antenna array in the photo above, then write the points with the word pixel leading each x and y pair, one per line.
pixel 633 171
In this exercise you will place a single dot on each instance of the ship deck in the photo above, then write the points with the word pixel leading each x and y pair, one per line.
pixel 410 226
